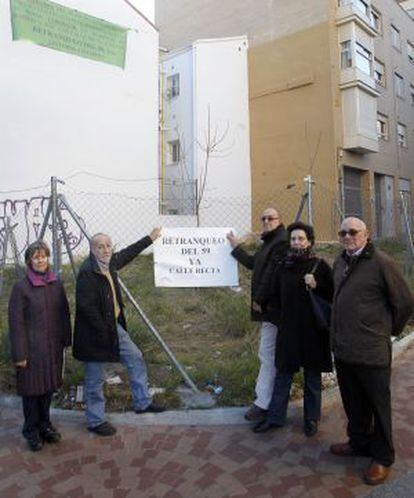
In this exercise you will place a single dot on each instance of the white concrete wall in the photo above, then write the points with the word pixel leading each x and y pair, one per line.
pixel 146 7
pixel 61 113
pixel 221 88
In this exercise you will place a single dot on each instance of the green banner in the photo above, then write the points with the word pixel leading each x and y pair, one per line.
pixel 67 30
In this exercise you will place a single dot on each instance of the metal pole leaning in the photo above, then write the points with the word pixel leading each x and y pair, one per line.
pixel 158 337
pixel 45 220
pixel 138 308
pixel 66 240
pixel 301 206
pixel 407 223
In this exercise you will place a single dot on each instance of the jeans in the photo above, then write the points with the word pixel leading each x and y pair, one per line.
pixel 267 372
pixel 131 358
pixel 280 398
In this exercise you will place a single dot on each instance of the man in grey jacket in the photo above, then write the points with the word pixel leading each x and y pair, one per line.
pixel 371 303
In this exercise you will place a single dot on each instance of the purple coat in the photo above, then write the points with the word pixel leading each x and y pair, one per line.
pixel 39 326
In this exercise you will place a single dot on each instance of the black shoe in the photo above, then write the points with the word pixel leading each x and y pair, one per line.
pixel 310 427
pixel 265 426
pixel 50 435
pixel 104 429
pixel 255 414
pixel 34 442
pixel 151 409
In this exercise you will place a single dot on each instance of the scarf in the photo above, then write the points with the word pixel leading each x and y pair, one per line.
pixel 294 256
pixel 38 279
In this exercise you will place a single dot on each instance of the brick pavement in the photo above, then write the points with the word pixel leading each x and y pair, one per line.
pixel 192 462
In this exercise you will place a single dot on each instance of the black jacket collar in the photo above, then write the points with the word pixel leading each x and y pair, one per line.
pixel 268 237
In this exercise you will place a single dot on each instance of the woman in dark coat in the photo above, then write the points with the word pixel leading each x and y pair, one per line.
pixel 39 325
pixel 300 340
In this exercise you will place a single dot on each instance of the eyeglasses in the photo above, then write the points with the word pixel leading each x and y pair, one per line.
pixel 351 232
pixel 269 218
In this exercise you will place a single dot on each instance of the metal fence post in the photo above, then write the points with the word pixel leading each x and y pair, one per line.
pixel 309 183
pixel 55 242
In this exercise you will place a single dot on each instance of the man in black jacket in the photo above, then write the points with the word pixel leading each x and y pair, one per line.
pixel 100 329
pixel 371 303
pixel 274 247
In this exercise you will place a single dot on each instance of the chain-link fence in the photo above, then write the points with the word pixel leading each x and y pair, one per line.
pixel 126 217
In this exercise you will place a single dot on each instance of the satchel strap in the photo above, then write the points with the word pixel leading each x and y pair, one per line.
pixel 315 266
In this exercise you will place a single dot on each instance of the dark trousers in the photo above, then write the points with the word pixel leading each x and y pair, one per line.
pixel 366 397
pixel 36 414
pixel 280 398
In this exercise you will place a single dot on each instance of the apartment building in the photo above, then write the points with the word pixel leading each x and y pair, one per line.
pixel 331 95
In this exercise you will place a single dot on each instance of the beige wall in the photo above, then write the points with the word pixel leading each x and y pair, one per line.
pixel 290 110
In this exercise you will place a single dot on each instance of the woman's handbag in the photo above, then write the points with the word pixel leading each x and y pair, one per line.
pixel 321 310
pixel 321 307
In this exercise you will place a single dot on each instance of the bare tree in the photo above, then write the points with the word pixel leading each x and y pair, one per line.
pixel 212 147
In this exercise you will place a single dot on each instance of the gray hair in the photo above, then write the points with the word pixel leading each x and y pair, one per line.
pixel 95 236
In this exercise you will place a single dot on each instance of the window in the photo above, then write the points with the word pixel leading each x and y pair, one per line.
pixel 379 72
pixel 346 54
pixel 399 85
pixel 412 94
pixel 376 20
pixel 175 151
pixel 363 59
pixel 353 193
pixel 402 135
pixel 362 6
pixel 410 52
pixel 382 126
pixel 173 85
pixel 395 37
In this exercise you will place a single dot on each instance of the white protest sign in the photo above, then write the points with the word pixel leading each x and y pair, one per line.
pixel 194 257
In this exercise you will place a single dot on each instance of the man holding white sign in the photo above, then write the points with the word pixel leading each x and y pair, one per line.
pixel 194 257
pixel 100 329
pixel 274 247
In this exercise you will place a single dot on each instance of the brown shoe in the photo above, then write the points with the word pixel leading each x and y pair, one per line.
pixel 255 414
pixel 343 449
pixel 376 473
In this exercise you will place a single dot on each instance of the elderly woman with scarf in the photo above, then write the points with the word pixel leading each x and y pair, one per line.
pixel 39 325
pixel 300 341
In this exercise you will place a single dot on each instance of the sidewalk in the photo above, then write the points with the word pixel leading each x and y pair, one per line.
pixel 213 461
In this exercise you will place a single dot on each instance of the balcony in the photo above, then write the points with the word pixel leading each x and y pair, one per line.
pixel 349 11
pixel 359 120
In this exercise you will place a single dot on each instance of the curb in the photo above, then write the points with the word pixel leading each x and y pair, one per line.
pixel 196 417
